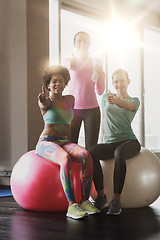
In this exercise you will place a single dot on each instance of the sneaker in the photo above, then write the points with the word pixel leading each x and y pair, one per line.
pixel 101 203
pixel 76 212
pixel 114 207
pixel 89 207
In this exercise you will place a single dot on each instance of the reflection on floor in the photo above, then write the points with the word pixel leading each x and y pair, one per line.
pixel 132 224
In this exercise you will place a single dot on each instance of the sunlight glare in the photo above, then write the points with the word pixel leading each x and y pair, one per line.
pixel 119 35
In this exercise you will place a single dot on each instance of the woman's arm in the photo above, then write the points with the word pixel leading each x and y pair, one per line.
pixel 71 100
pixel 112 99
pixel 103 123
pixel 100 85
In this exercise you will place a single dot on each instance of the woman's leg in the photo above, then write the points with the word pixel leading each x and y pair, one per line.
pixel 75 126
pixel 91 126
pixel 125 150
pixel 99 152
pixel 82 156
pixel 56 154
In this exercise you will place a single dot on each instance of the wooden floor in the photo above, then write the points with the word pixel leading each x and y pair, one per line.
pixel 136 224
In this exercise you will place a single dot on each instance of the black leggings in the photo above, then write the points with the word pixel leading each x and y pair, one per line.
pixel 120 151
pixel 91 118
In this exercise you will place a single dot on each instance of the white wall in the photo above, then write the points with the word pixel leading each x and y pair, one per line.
pixel 13 83
pixel 24 54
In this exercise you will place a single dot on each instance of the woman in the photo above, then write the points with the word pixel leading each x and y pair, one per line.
pixel 121 143
pixel 82 87
pixel 53 144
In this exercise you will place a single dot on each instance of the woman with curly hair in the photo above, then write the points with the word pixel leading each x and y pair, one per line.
pixel 53 144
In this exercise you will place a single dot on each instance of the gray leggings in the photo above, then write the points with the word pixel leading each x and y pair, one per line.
pixel 120 151
pixel 91 118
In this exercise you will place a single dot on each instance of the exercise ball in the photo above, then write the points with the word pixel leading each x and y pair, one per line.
pixel 35 184
pixel 142 182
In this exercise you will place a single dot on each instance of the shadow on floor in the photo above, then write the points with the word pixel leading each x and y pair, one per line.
pixel 143 223
pixel 132 224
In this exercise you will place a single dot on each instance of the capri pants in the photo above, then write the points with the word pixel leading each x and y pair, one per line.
pixel 58 150
pixel 120 151
pixel 91 118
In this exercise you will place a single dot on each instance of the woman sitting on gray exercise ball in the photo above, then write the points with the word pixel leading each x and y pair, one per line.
pixel 119 110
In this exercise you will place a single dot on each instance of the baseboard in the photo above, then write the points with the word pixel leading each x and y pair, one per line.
pixel 4 186
pixel 4 181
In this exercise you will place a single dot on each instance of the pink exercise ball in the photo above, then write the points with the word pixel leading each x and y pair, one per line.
pixel 142 182
pixel 35 184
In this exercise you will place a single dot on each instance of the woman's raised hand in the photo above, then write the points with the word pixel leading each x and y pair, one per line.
pixel 111 98
pixel 98 68
pixel 42 95
pixel 43 101
pixel 73 60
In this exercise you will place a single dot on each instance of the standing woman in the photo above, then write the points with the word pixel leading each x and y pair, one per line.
pixel 53 144
pixel 120 142
pixel 82 87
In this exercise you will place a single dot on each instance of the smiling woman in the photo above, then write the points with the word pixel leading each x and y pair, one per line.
pixel 121 143
pixel 54 145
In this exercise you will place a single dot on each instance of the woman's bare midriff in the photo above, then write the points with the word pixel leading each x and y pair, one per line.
pixel 56 130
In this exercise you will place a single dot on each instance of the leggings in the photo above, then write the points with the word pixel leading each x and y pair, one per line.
pixel 91 118
pixel 120 151
pixel 58 150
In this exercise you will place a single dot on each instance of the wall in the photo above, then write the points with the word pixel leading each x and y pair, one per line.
pixel 37 60
pixel 5 128
pixel 13 92
pixel 24 53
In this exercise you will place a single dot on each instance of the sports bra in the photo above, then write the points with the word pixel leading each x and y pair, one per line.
pixel 57 115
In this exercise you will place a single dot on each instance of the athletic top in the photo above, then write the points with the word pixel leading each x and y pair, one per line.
pixel 81 86
pixel 117 121
pixel 57 115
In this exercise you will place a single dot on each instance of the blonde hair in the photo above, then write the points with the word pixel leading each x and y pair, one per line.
pixel 120 71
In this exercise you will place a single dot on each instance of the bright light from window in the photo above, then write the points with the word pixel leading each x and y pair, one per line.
pixel 54 32
pixel 119 35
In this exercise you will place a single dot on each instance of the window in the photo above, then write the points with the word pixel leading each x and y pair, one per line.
pixel 128 59
pixel 151 84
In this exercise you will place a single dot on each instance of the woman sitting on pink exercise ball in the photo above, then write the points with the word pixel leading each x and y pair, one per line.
pixel 53 144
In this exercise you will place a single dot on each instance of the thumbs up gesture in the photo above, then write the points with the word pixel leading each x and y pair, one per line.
pixel 73 60
pixel 43 101
pixel 111 98
pixel 42 95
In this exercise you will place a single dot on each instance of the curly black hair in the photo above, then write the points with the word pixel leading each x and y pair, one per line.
pixel 55 70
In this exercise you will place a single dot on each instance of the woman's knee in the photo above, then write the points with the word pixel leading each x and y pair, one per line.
pixel 94 151
pixel 85 156
pixel 119 155
pixel 86 161
pixel 118 152
pixel 126 150
pixel 65 160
